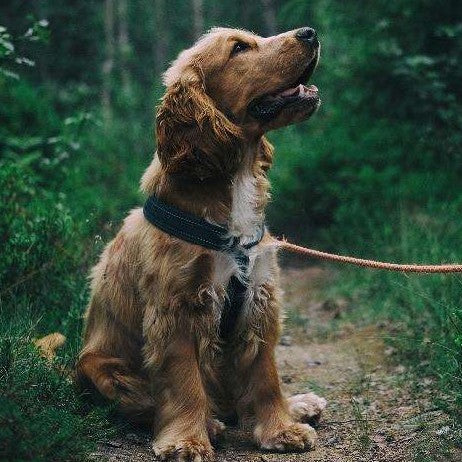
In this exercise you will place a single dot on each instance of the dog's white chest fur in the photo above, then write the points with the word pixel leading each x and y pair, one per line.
pixel 245 216
pixel 245 222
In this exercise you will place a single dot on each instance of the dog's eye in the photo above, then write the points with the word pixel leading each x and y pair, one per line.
pixel 239 47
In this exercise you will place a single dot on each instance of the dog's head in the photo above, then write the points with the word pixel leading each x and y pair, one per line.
pixel 233 86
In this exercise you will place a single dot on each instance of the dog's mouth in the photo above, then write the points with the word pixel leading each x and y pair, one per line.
pixel 297 95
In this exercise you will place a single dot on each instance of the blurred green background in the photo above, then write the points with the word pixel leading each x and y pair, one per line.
pixel 377 172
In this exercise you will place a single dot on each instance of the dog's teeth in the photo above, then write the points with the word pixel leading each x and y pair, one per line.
pixel 290 92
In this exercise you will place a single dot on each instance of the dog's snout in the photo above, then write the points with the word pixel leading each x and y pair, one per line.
pixel 307 35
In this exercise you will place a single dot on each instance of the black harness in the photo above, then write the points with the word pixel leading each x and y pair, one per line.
pixel 196 230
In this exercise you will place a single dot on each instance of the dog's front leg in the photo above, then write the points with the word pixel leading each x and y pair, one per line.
pixel 275 428
pixel 181 421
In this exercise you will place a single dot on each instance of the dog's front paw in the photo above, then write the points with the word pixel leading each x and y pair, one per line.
pixel 292 437
pixel 306 408
pixel 186 450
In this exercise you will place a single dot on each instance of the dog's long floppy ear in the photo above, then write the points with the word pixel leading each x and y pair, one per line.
pixel 193 136
pixel 265 154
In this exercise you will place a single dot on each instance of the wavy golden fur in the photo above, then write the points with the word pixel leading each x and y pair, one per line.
pixel 151 338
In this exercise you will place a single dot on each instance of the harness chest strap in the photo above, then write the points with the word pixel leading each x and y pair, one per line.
pixel 196 230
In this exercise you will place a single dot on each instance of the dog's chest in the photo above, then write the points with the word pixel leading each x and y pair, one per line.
pixel 260 268
pixel 246 212
pixel 245 223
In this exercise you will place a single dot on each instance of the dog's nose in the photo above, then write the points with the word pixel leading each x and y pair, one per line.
pixel 307 35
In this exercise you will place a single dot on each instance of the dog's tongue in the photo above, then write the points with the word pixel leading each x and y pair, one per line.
pixel 300 90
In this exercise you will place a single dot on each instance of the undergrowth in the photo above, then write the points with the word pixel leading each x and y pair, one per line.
pixel 423 312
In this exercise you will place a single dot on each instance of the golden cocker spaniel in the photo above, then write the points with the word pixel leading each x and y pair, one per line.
pixel 153 340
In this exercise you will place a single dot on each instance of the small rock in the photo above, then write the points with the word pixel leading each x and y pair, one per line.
pixel 348 329
pixel 334 305
pixel 287 379
pixel 332 441
pixel 404 410
pixel 264 458
pixel 286 340
pixel 379 440
pixel 114 444
pixel 313 363
pixel 443 431
pixel 390 351
pixel 400 369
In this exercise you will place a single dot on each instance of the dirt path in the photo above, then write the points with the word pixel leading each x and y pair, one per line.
pixel 376 411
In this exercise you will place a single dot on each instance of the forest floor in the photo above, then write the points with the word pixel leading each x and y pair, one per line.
pixel 377 410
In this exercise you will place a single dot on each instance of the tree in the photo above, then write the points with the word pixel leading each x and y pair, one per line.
pixel 160 36
pixel 124 47
pixel 198 18
pixel 269 16
pixel 108 63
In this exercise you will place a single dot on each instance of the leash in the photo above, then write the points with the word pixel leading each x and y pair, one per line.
pixel 402 268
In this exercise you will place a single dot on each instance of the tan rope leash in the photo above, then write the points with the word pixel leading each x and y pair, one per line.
pixel 403 268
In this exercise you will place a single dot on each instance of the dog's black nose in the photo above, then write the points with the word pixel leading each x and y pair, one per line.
pixel 307 35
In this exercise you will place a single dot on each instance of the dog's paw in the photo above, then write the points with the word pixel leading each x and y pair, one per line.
pixel 293 437
pixel 187 450
pixel 306 408
pixel 215 428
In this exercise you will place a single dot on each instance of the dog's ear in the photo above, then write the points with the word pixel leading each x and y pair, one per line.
pixel 265 154
pixel 193 135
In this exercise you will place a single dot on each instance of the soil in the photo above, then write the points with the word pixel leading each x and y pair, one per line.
pixel 377 410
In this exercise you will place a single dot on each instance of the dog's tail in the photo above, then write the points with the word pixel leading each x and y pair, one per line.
pixel 115 381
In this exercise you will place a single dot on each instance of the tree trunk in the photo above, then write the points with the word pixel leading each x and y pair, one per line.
pixel 42 11
pixel 215 12
pixel 124 47
pixel 198 18
pixel 269 17
pixel 245 14
pixel 160 37
pixel 108 64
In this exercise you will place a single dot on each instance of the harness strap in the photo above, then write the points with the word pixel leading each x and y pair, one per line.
pixel 196 230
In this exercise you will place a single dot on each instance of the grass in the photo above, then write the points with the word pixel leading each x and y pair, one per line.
pixel 43 417
pixel 423 313
pixel 362 427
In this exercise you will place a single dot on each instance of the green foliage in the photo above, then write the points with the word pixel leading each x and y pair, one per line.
pixel 37 231
pixel 9 57
pixel 42 289
pixel 387 131
pixel 42 418
pixel 46 249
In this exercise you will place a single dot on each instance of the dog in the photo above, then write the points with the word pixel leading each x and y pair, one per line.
pixel 152 336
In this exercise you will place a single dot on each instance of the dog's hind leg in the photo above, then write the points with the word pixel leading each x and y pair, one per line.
pixel 114 380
